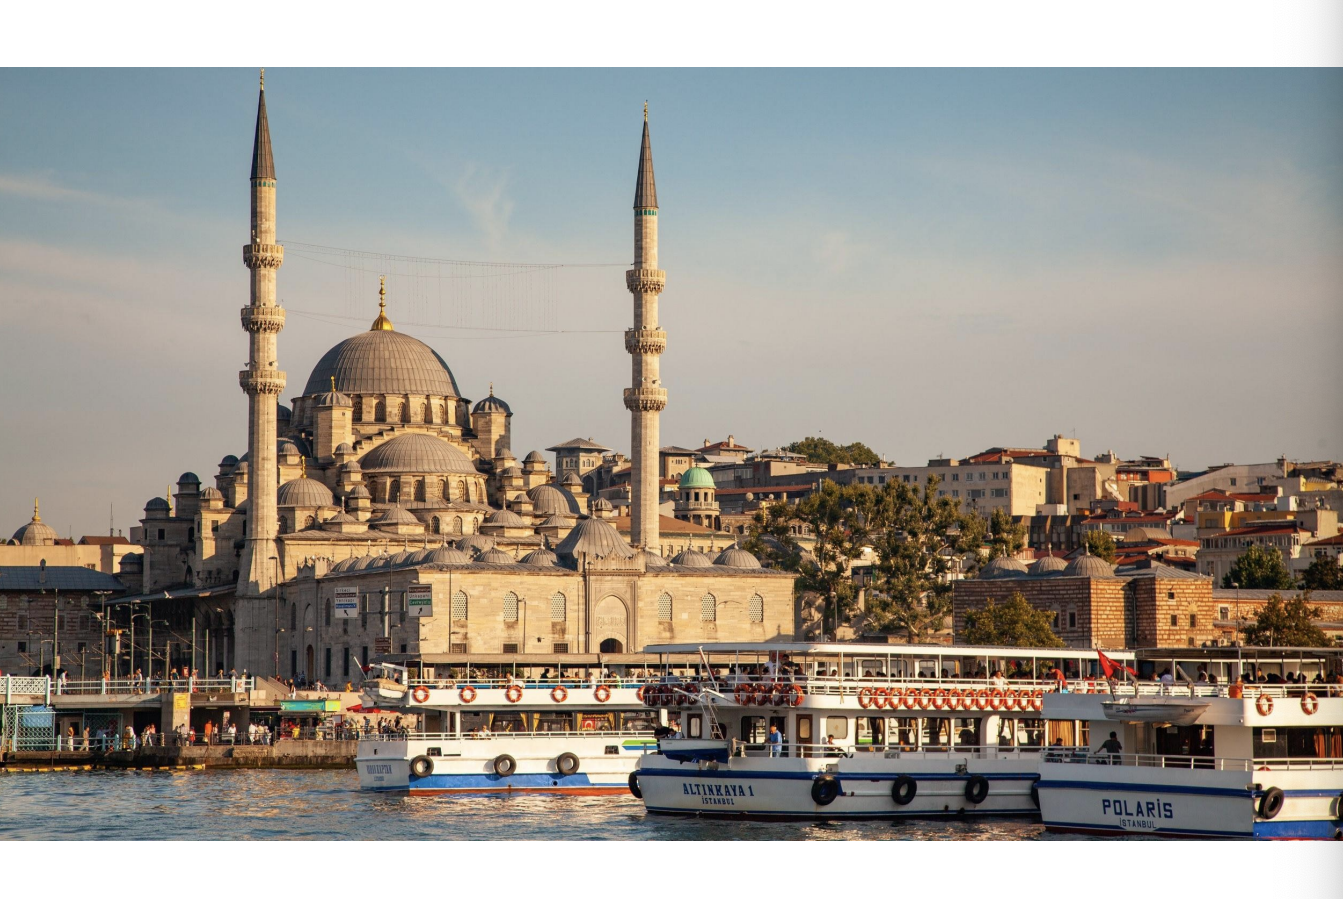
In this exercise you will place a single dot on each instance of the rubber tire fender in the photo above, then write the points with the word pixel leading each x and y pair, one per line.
pixel 1035 794
pixel 504 765
pixel 824 789
pixel 567 764
pixel 421 766
pixel 634 785
pixel 904 789
pixel 1271 803
pixel 976 789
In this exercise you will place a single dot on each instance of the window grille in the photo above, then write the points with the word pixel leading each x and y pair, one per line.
pixel 665 607
pixel 708 608
pixel 459 606
pixel 757 608
pixel 558 612
pixel 511 607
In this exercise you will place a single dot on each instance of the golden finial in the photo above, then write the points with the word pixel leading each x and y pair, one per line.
pixel 333 383
pixel 645 110
pixel 302 467
pixel 263 81
pixel 491 388
pixel 170 497
pixel 36 517
pixel 382 322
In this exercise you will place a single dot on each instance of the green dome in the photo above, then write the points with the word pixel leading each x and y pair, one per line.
pixel 696 478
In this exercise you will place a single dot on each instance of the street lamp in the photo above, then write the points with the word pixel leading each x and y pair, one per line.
pixel 275 577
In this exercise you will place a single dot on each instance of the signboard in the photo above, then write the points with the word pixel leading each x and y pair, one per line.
pixel 309 705
pixel 420 600
pixel 382 645
pixel 347 602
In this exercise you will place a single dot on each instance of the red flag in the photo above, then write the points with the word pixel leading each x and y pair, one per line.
pixel 1110 666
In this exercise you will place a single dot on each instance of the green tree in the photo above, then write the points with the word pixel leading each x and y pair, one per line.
pixel 918 536
pixel 1006 537
pixel 820 450
pixel 1259 568
pixel 1290 623
pixel 1323 574
pixel 1100 543
pixel 1013 623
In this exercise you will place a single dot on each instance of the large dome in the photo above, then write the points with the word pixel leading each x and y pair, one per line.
pixel 377 362
pixel 417 454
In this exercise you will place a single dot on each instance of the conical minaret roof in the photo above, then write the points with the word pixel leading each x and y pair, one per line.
pixel 645 190
pixel 263 164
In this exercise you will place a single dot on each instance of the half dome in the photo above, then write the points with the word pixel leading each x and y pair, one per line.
pixel 417 454
pixel 304 492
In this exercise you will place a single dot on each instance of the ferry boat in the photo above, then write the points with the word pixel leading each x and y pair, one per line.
pixel 1205 755
pixel 829 730
pixel 511 733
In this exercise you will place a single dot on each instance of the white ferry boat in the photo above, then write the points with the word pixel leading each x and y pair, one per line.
pixel 828 730
pixel 1200 759
pixel 479 734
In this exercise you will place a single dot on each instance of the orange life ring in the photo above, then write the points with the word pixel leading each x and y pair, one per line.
pixel 420 694
pixel 911 699
pixel 1037 700
pixel 742 694
pixel 641 692
pixel 893 700
pixel 559 694
pixel 925 698
pixel 687 694
pixel 602 693
pixel 763 694
pixel 954 700
pixel 778 693
pixel 939 699
pixel 865 698
pixel 797 693
pixel 513 693
pixel 1310 703
pixel 981 700
pixel 881 697
pixel 1264 704
pixel 467 694
pixel 996 699
pixel 1010 701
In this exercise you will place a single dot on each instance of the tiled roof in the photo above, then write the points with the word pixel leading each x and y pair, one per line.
pixel 668 525
pixel 57 577
pixel 1336 540
pixel 96 540
pixel 1272 531
pixel 577 443
pixel 724 445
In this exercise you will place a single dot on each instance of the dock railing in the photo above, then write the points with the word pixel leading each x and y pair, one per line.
pixel 131 685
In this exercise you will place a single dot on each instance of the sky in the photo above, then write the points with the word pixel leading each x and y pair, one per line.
pixel 930 262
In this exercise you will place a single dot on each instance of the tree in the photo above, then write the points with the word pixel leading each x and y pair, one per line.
pixel 1323 574
pixel 1013 623
pixel 818 449
pixel 1290 623
pixel 1099 543
pixel 1259 568
pixel 1006 537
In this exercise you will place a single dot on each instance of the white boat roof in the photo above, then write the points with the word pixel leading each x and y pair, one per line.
pixel 918 650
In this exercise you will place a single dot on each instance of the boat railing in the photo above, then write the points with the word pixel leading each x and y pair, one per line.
pixel 1298 764
pixel 487 683
pixel 134 685
pixel 405 736
pixel 1247 691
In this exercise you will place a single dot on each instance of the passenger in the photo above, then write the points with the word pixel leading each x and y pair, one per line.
pixel 1113 747
pixel 775 741
pixel 999 682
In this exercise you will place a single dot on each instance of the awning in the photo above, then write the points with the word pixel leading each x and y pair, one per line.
pixel 309 705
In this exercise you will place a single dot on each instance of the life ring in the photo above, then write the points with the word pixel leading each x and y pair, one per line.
pixel 559 694
pixel 421 766
pixel 567 763
pixel 1264 704
pixel 864 700
pixel 1310 703
pixel 981 699
pixel 1037 701
pixel 954 699
pixel 904 789
pixel 880 698
pixel 1010 701
pixel 640 693
pixel 513 693
pixel 977 789
pixel 634 785
pixel 467 694
pixel 939 699
pixel 742 694
pixel 778 693
pixel 1271 803
pixel 911 699
pixel 893 701
pixel 824 789
pixel 504 765
pixel 690 692
pixel 602 693
pixel 925 698
pixel 996 699
pixel 420 694
pixel 763 694
pixel 798 693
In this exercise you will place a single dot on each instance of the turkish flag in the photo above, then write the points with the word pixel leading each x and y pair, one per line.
pixel 1109 666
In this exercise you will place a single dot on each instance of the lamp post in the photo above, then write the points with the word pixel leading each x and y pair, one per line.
pixel 102 618
pixel 275 567
pixel 1240 667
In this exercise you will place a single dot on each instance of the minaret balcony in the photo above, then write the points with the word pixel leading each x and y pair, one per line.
pixel 645 399
pixel 262 255
pixel 645 341
pixel 645 280
pixel 267 319
pixel 267 383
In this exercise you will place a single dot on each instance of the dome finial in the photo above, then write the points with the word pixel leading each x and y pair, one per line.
pixel 263 87
pixel 36 516
pixel 263 82
pixel 491 388
pixel 333 383
pixel 302 467
pixel 382 322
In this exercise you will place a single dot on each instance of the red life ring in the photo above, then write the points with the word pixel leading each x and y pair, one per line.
pixel 420 694
pixel 742 694
pixel 981 699
pixel 602 693
pixel 513 693
pixel 763 694
pixel 865 698
pixel 1037 700
pixel 467 694
pixel 954 700
pixel 881 697
pixel 893 701
pixel 925 698
pixel 640 693
pixel 1010 700
pixel 559 694
pixel 911 699
pixel 940 699
pixel 996 699
pixel 1264 704
pixel 687 694
pixel 1310 703
pixel 797 693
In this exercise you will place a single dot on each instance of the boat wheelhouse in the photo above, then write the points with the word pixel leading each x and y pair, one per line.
pixel 1193 758
pixel 835 730
pixel 560 724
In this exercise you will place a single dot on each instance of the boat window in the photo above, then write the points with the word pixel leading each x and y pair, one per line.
pixel 906 732
pixel 753 729
pixel 1062 730
pixel 554 722
pixel 838 727
pixel 695 726
pixel 1031 732
pixel 1007 732
pixel 642 721
pixel 871 731
pixel 965 731
pixel 1298 742
pixel 935 733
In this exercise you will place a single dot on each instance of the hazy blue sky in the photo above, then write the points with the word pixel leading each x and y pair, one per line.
pixel 929 262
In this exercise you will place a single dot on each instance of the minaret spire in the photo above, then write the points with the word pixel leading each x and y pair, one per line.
pixel 263 163
pixel 645 397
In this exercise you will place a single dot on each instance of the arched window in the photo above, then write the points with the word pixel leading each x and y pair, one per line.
pixel 510 607
pixel 425 414
pixel 459 606
pixel 394 491
pixel 405 410
pixel 461 490
pixel 436 526
pixel 457 524
pixel 309 521
pixel 293 617
pixel 358 408
pixel 756 608
pixel 447 491
pixel 665 607
pixel 380 411
pixel 708 608
pixel 558 607
pixel 419 489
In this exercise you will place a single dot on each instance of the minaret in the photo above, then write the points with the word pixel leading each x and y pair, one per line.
pixel 261 380
pixel 645 398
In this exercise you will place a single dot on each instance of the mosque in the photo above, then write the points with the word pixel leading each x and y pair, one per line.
pixel 381 482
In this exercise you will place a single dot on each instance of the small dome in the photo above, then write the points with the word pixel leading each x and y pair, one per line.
pixel 692 558
pixel 602 504
pixel 363 563
pixel 535 456
pixel 652 560
pixel 475 543
pixel 396 514
pixel 338 519
pixel 1001 567
pixel 1087 565
pixel 571 479
pixel 492 403
pixel 289 449
pixel 558 521
pixel 346 448
pixel 212 493
pixel 541 557
pixel 332 399
pixel 304 492
pixel 360 492
pixel 283 412
pixel 547 499
pixel 448 555
pixel 157 504
pixel 418 454
pixel 342 565
pixel 1048 565
pixel 35 533
pixel 132 561
pixel 697 479
pixel 506 519
pixel 228 460
pixel 597 538
pixel 736 557
pixel 420 556
pixel 399 559
pixel 497 557
pixel 188 477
